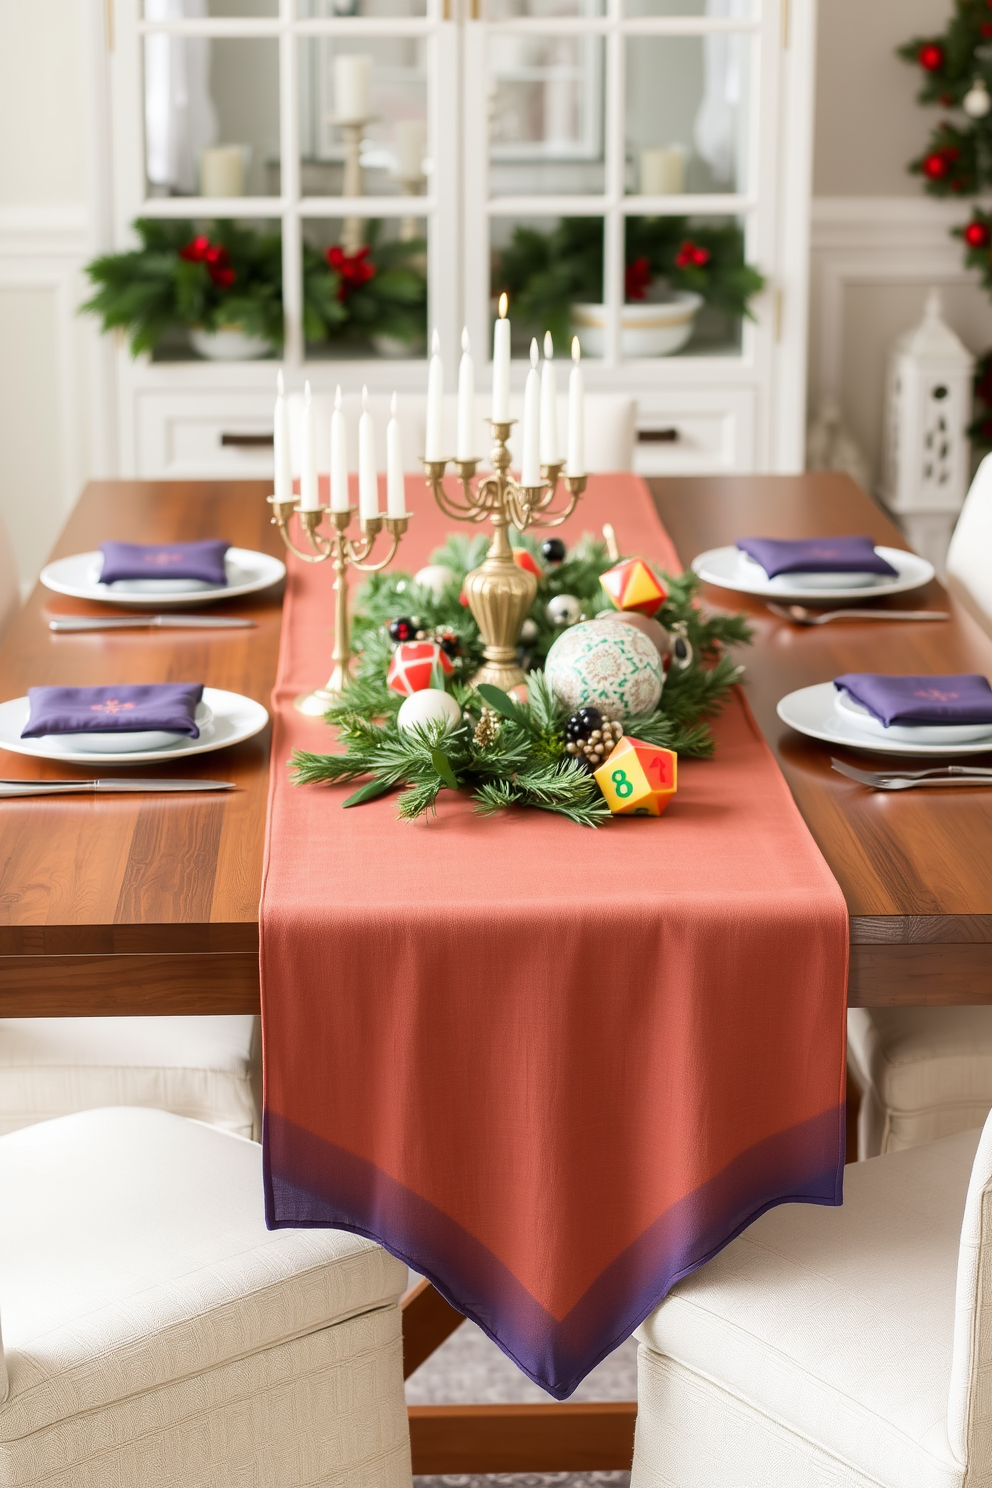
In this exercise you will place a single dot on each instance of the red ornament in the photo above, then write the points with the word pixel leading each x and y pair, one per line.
pixel 412 666
pixel 692 256
pixel 936 165
pixel 930 56
pixel 355 268
pixel 526 560
pixel 977 235
pixel 637 278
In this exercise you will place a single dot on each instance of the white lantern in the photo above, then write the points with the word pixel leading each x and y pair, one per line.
pixel 926 459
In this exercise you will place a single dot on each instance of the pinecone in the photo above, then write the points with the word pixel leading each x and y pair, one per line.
pixel 487 727
pixel 598 746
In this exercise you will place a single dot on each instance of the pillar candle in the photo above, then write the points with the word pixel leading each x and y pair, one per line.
pixel 283 484
pixel 549 405
pixel 530 473
pixel 222 171
pixel 501 365
pixel 368 480
pixel 352 88
pixel 663 171
pixel 434 438
pixel 395 489
pixel 410 137
pixel 340 498
pixel 309 497
pixel 576 414
pixel 465 443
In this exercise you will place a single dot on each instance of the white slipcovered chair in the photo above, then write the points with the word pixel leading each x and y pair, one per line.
pixel 846 1346
pixel 156 1335
pixel 927 1072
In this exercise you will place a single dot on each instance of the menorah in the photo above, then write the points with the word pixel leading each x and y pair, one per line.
pixel 344 552
pixel 499 592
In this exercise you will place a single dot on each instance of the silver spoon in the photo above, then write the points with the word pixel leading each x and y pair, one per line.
pixel 800 615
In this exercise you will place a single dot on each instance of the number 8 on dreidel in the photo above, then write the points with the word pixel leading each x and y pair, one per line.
pixel 638 779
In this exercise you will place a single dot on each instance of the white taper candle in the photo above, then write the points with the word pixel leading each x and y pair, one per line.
pixel 434 437
pixel 576 414
pixel 465 442
pixel 340 497
pixel 549 405
pixel 368 480
pixel 501 365
pixel 283 483
pixel 530 471
pixel 395 492
pixel 309 496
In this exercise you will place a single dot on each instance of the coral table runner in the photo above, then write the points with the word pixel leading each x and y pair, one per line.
pixel 554 1069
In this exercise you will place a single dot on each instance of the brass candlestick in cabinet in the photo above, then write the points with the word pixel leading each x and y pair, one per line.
pixel 499 592
pixel 344 552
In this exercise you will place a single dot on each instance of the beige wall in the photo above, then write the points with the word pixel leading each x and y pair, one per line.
pixel 868 126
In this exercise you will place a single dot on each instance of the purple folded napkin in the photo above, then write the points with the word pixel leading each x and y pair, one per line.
pixel 966 698
pixel 815 555
pixel 113 710
pixel 181 560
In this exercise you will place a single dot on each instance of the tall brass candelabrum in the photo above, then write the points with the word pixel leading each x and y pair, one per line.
pixel 499 592
pixel 344 552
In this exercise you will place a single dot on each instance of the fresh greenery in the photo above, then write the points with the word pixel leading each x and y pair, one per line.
pixel 225 274
pixel 525 763
pixel 545 273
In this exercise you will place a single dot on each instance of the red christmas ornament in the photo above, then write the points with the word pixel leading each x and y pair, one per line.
pixel 637 278
pixel 930 56
pixel 692 256
pixel 977 235
pixel 354 268
pixel 413 664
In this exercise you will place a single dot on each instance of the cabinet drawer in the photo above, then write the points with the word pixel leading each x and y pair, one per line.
pixel 214 437
pixel 695 433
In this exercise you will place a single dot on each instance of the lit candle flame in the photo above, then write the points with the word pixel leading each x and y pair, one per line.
pixel 503 305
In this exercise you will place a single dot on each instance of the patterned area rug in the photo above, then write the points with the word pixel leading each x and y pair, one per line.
pixel 468 1369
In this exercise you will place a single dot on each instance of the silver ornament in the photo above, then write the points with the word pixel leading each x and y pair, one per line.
pixel 528 633
pixel 563 610
pixel 977 102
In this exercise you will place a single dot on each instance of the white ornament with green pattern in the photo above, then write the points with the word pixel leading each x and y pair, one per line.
pixel 607 665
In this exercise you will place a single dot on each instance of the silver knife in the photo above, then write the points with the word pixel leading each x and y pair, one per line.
pixel 149 622
pixel 132 787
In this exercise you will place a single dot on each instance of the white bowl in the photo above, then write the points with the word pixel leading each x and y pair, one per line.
pixel 229 344
pixel 652 329
pixel 909 733
pixel 128 742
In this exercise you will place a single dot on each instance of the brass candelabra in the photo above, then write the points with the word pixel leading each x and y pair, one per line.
pixel 499 592
pixel 344 552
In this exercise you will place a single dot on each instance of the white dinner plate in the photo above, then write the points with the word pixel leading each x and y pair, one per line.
pixel 732 569
pixel 77 576
pixel 812 711
pixel 903 733
pixel 234 718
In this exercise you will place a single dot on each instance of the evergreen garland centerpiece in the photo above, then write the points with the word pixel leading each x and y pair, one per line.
pixel 509 750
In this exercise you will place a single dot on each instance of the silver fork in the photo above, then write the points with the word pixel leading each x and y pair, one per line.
pixel 800 615
pixel 908 779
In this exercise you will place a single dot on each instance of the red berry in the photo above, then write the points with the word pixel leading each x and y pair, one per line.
pixel 977 235
pixel 935 166
pixel 930 56
pixel 700 257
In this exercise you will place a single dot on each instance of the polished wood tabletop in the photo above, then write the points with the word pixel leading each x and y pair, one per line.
pixel 915 866
pixel 150 905
pixel 132 904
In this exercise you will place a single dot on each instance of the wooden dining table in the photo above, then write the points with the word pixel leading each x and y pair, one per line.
pixel 149 905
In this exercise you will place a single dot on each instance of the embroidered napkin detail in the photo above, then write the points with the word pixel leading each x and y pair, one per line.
pixel 113 710
pixel 966 698
pixel 815 555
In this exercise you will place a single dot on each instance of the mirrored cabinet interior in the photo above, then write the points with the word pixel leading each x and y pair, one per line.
pixel 434 152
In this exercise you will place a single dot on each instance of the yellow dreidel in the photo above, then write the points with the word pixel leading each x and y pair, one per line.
pixel 638 779
pixel 632 586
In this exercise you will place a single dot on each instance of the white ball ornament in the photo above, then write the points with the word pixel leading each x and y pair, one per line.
pixel 605 665
pixel 435 578
pixel 528 632
pixel 562 610
pixel 977 101
pixel 431 705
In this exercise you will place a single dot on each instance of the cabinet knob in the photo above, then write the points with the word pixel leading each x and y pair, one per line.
pixel 657 436
pixel 247 441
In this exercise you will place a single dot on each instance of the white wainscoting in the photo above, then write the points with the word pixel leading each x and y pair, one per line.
pixel 872 261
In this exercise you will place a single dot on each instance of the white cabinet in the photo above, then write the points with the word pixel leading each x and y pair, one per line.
pixel 532 111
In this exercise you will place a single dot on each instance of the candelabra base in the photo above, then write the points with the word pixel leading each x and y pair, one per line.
pixel 503 674
pixel 315 704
